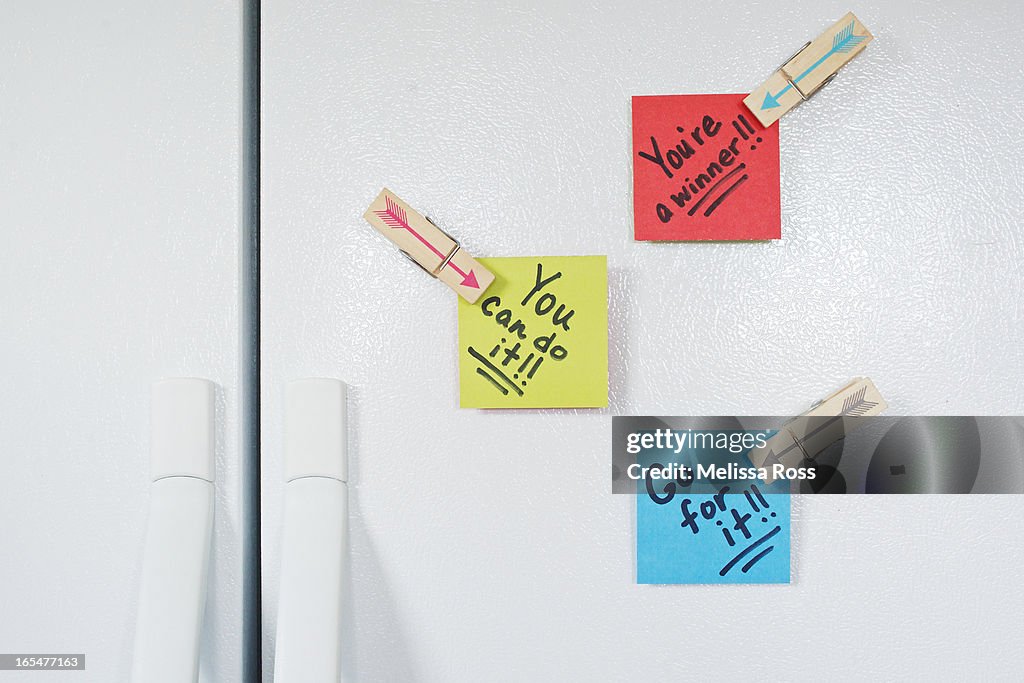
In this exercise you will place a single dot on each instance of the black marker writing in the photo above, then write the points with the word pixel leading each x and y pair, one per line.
pixel 516 358
pixel 547 301
pixel 710 179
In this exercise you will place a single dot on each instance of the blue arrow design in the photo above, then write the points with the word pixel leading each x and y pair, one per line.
pixel 844 41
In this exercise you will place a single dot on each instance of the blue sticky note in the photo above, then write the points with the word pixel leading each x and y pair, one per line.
pixel 731 531
pixel 668 550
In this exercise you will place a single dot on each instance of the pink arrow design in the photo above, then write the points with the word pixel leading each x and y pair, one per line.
pixel 394 216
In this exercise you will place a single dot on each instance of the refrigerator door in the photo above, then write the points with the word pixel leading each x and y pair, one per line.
pixel 119 196
pixel 486 545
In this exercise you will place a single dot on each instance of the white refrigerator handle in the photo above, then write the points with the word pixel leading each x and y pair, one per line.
pixel 172 591
pixel 314 543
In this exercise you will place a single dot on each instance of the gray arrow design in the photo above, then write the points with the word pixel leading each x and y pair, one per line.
pixel 771 459
pixel 854 406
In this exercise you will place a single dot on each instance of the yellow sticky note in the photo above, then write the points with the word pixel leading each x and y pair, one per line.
pixel 538 338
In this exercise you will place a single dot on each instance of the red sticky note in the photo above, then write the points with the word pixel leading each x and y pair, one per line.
pixel 703 169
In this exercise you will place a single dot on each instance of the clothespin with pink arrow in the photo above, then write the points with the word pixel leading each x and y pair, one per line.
pixel 429 246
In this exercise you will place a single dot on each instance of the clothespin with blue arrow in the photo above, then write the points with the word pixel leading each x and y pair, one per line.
pixel 806 72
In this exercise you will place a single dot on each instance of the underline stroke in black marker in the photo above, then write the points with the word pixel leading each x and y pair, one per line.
pixel 721 197
pixel 730 174
pixel 503 390
pixel 493 368
pixel 749 548
pixel 746 568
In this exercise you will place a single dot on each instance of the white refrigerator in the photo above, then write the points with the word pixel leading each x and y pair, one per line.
pixel 120 180
pixel 123 205
pixel 485 545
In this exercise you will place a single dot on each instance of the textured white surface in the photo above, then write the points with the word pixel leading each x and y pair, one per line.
pixel 510 126
pixel 119 204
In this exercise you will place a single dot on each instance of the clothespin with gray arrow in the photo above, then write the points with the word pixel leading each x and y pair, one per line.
pixel 831 419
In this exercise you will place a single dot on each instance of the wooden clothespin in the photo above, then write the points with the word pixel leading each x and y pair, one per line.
pixel 809 70
pixel 831 419
pixel 429 246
